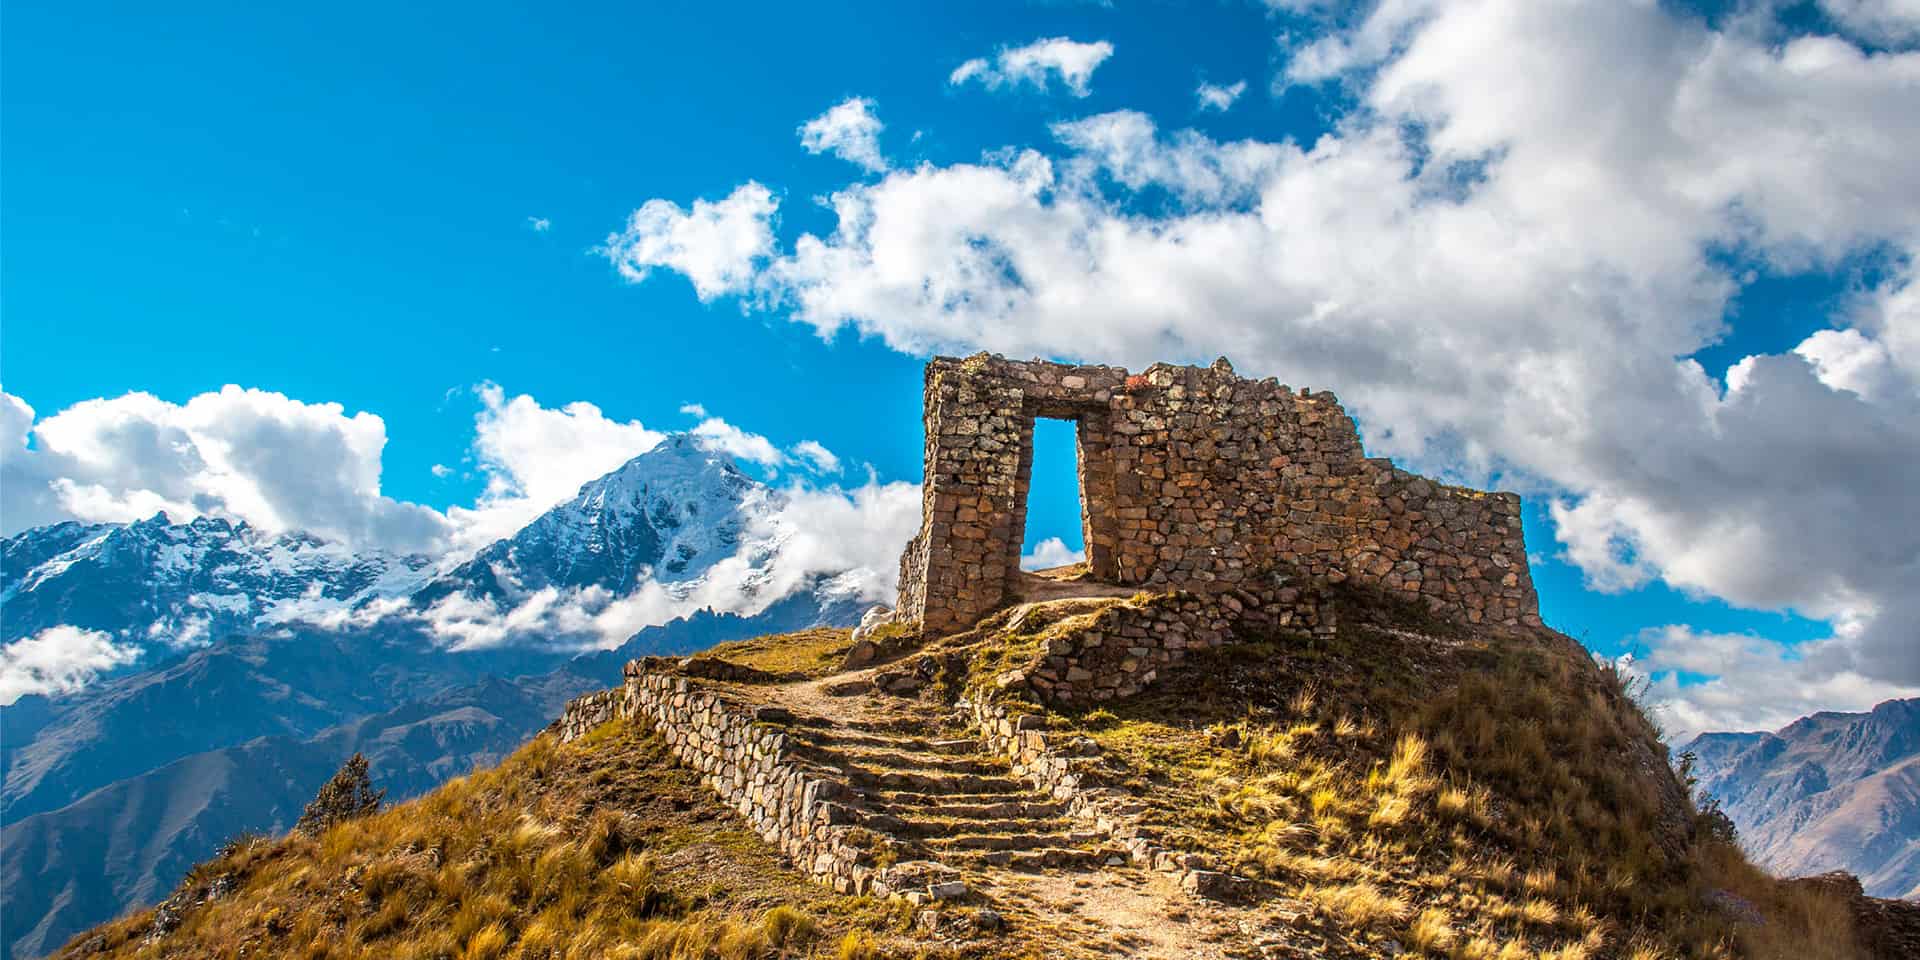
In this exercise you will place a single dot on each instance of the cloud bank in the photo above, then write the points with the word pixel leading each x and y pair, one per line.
pixel 58 660
pixel 255 455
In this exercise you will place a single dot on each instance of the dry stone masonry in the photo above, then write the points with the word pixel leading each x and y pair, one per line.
pixel 1128 645
pixel 1060 769
pixel 864 809
pixel 1192 478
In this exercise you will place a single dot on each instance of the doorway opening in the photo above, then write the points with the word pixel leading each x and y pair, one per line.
pixel 1054 509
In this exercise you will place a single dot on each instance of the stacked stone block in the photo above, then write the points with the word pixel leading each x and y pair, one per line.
pixel 585 712
pixel 1129 645
pixel 1112 813
pixel 1192 478
pixel 747 764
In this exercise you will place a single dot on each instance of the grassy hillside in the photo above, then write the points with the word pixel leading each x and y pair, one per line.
pixel 1408 787
pixel 1452 792
pixel 598 848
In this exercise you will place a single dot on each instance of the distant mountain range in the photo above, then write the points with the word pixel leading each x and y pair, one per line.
pixel 1833 791
pixel 260 662
pixel 160 588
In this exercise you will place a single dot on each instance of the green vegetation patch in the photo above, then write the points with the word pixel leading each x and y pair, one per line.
pixel 805 653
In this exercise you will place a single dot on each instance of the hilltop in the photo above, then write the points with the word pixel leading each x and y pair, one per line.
pixel 1403 784
pixel 1295 703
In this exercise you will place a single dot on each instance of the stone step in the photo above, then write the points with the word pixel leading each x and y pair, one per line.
pixel 1041 858
pixel 928 828
pixel 934 782
pixel 903 728
pixel 907 799
pixel 839 738
pixel 1009 841
pixel 876 758
pixel 927 807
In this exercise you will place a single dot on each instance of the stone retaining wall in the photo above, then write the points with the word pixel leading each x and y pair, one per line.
pixel 746 763
pixel 587 711
pixel 1060 769
pixel 1193 478
pixel 1129 645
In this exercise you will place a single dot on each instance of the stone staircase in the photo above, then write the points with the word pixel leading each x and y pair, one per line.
pixel 943 798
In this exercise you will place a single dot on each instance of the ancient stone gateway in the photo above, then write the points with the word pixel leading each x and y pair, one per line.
pixel 1192 478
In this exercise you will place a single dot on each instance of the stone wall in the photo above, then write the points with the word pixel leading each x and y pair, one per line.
pixel 1061 770
pixel 587 711
pixel 746 762
pixel 1127 646
pixel 1193 478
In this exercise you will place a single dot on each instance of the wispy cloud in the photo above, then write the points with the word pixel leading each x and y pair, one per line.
pixel 1036 65
pixel 1219 98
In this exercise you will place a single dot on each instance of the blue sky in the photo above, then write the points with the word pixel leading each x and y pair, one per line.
pixel 384 208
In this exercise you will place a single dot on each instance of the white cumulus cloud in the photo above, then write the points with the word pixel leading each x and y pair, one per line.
pixel 1502 264
pixel 849 131
pixel 1881 21
pixel 535 457
pixel 716 244
pixel 58 660
pixel 1036 65
pixel 1049 553
pixel 254 455
pixel 1757 684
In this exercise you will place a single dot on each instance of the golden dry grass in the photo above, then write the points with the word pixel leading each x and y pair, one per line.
pixel 1477 795
pixel 805 653
pixel 593 849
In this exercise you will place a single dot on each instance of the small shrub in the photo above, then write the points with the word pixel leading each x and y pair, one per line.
pixel 349 795
pixel 857 945
pixel 1361 904
pixel 1430 932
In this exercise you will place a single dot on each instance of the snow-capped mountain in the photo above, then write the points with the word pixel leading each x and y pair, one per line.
pixel 680 519
pixel 185 746
pixel 675 530
pixel 159 587
pixel 668 514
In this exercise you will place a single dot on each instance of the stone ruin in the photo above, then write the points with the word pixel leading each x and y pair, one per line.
pixel 1196 479
pixel 1231 500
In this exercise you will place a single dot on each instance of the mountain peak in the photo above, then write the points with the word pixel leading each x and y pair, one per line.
pixel 669 513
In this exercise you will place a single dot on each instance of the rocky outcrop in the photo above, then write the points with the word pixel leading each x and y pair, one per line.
pixel 1887 929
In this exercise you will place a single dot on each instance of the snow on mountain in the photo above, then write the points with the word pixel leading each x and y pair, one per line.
pixel 675 530
pixel 152 588
pixel 668 514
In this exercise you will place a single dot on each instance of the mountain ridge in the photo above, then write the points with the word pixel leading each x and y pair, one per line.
pixel 303 664
pixel 1830 791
